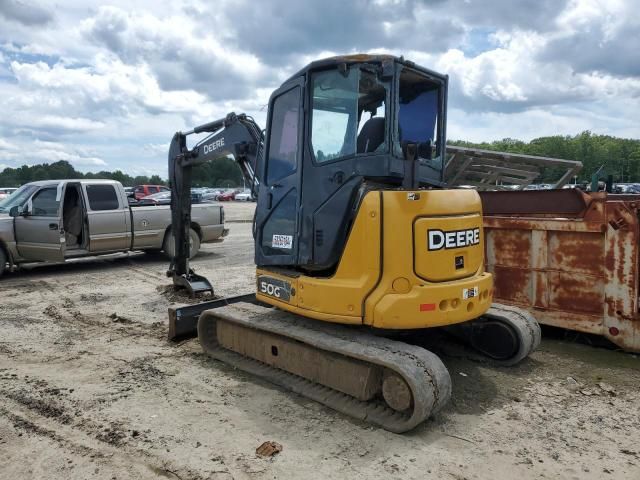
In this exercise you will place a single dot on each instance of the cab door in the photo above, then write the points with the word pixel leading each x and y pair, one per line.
pixel 107 216
pixel 279 192
pixel 39 232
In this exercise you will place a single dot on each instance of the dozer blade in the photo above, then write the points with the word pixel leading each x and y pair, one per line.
pixel 504 334
pixel 381 381
pixel 183 320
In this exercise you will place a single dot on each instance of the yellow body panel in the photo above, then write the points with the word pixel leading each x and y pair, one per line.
pixel 387 277
pixel 436 265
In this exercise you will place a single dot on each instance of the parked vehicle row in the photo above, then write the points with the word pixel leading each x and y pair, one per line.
pixel 224 195
pixel 164 198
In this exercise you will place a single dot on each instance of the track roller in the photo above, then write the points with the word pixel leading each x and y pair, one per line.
pixel 505 334
pixel 383 382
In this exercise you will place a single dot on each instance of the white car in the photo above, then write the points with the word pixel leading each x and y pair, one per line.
pixel 244 196
pixel 5 192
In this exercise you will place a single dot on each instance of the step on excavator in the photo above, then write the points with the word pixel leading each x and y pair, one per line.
pixel 356 238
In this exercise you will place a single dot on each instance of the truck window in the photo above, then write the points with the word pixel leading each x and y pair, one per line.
pixel 102 197
pixel 45 204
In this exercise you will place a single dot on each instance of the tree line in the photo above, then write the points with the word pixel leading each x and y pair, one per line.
pixel 221 173
pixel 620 157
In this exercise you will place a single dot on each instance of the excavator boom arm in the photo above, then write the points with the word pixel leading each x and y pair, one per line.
pixel 235 135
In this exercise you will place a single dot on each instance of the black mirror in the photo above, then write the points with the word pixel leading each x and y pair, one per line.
pixel 17 211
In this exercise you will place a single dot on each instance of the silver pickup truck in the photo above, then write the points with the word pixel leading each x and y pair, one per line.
pixel 55 220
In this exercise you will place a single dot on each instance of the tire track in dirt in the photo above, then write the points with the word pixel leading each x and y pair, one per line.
pixel 137 463
pixel 33 407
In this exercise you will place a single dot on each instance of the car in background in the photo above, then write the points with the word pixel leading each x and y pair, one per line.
pixel 5 192
pixel 160 198
pixel 141 191
pixel 627 188
pixel 245 196
pixel 227 196
pixel 164 198
pixel 212 194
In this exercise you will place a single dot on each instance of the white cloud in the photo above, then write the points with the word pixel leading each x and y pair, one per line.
pixel 4 145
pixel 510 77
pixel 40 151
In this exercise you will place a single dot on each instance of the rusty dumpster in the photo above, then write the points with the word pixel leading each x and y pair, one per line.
pixel 569 257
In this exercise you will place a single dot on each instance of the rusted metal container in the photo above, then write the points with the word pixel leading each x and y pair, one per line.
pixel 571 258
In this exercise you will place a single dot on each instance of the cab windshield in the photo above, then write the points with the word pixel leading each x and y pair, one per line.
pixel 349 111
pixel 17 198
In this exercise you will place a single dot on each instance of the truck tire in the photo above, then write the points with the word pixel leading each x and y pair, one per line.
pixel 3 261
pixel 169 249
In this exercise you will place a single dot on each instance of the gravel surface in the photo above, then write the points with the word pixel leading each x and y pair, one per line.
pixel 91 388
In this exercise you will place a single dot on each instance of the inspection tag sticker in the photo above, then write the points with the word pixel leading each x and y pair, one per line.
pixel 469 293
pixel 282 241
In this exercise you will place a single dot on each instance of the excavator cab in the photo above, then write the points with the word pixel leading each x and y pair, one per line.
pixel 337 129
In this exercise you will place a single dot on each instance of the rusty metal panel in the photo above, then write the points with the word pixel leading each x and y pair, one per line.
pixel 572 292
pixel 573 266
pixel 511 248
pixel 513 284
pixel 580 253
pixel 565 203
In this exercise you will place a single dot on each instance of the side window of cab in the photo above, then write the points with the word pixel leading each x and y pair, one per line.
pixel 45 202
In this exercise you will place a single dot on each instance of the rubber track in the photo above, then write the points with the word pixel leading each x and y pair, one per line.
pixel 524 323
pixel 423 371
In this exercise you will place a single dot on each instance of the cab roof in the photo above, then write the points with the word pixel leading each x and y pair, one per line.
pixel 363 58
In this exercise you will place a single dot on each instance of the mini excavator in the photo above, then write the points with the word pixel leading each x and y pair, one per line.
pixel 356 238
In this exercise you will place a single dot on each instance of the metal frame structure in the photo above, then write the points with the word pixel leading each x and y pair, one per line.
pixel 490 170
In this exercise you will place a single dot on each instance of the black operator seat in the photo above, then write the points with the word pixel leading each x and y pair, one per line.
pixel 371 135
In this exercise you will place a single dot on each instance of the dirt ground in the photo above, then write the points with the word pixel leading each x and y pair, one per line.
pixel 91 388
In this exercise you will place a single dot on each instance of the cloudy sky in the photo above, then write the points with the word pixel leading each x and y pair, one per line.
pixel 105 84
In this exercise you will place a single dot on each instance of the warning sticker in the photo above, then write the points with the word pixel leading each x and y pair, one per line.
pixel 282 241
pixel 469 293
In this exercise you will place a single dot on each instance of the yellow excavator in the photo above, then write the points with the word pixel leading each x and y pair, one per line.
pixel 356 238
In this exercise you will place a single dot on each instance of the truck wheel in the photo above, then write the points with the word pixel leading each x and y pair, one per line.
pixel 170 248
pixel 3 261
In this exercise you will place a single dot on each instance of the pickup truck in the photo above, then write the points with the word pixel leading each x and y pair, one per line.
pixel 55 220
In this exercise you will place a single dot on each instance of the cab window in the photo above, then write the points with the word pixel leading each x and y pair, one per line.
pixel 348 113
pixel 44 202
pixel 102 197
pixel 418 111
pixel 283 138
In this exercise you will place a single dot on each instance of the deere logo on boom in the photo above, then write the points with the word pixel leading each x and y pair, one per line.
pixel 439 239
pixel 213 146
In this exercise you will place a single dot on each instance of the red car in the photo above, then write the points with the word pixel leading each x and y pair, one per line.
pixel 227 196
pixel 141 191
